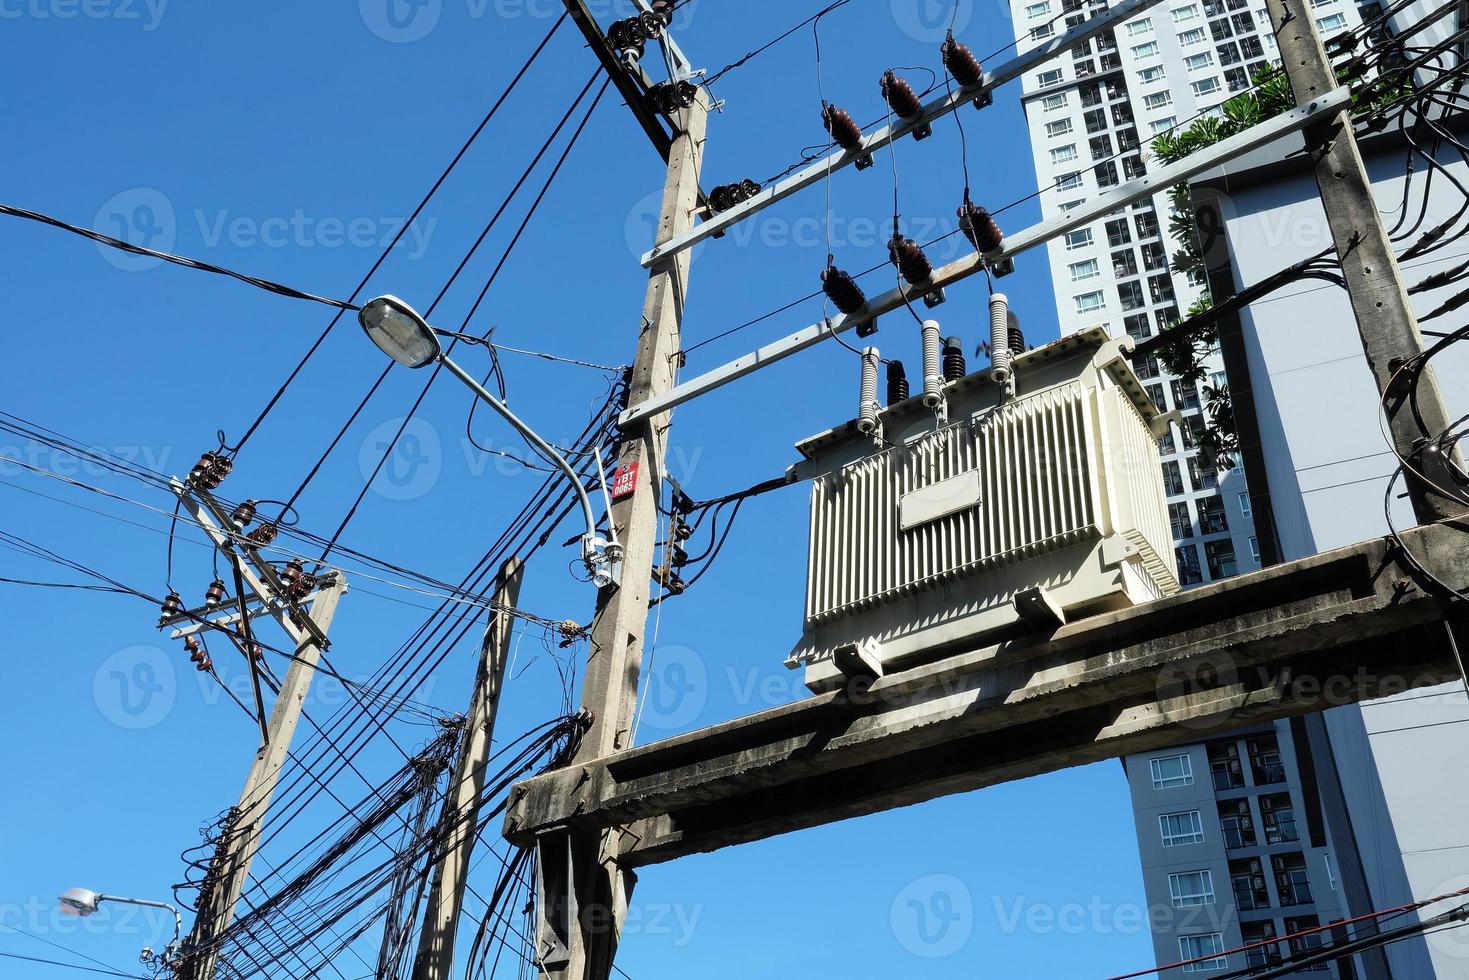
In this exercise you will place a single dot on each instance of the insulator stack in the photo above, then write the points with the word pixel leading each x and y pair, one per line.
pixel 954 367
pixel 663 10
pixel 244 514
pixel 211 470
pixel 980 228
pixel 1017 341
pixel 901 98
pixel 843 290
pixel 298 583
pixel 173 604
pixel 255 651
pixel 214 594
pixel 726 196
pixel 1000 339
pixel 906 254
pixel 961 62
pixel 845 131
pixel 264 535
pixel 869 406
pixel 933 379
pixel 652 25
pixel 198 654
pixel 630 35
pixel 897 383
pixel 669 97
pixel 669 579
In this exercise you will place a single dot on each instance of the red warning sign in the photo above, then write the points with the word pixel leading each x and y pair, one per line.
pixel 624 481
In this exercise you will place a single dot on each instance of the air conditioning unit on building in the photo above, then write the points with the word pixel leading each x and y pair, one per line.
pixel 990 505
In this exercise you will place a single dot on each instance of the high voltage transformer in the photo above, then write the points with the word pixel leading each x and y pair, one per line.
pixel 991 504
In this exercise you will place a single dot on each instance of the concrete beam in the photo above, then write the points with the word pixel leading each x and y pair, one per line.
pixel 1336 628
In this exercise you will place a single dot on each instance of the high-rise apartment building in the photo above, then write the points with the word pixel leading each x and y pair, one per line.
pixel 1092 115
pixel 1237 844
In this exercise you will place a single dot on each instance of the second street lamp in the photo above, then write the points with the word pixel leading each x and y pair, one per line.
pixel 401 333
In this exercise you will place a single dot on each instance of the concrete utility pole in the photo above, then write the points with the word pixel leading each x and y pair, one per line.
pixel 435 958
pixel 591 895
pixel 217 909
pixel 1385 316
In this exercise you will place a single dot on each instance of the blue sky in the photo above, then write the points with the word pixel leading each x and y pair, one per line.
pixel 287 140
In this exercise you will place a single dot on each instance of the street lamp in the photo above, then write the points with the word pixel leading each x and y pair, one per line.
pixel 401 333
pixel 83 902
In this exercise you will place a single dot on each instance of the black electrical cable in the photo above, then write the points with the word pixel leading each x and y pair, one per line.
pixel 108 240
pixel 398 236
pixel 509 250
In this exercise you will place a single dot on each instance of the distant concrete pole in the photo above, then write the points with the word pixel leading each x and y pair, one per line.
pixel 435 958
pixel 1384 313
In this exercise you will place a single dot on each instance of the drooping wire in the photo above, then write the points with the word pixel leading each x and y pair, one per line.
pixel 398 236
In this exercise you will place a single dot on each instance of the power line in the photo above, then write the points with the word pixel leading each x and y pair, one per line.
pixel 96 236
pixel 417 211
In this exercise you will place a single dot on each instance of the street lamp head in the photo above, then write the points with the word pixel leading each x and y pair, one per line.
pixel 399 331
pixel 79 901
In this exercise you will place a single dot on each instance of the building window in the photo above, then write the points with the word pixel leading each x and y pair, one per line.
pixel 1193 36
pixel 1225 767
pixel 1181 828
pixel 1292 883
pixel 1132 167
pixel 1202 952
pixel 1264 952
pixel 1198 62
pixel 1131 295
pixel 1279 817
pixel 1220 557
pixel 1265 764
pixel 1163 125
pixel 1185 395
pixel 1172 771
pixel 1071 206
pixel 1048 78
pixel 1053 102
pixel 1247 881
pixel 1180 522
pixel 1251 47
pixel 1204 477
pixel 1148 76
pixel 1206 87
pixel 1155 395
pixel 1187 556
pixel 1118 233
pixel 1146 367
pixel 1304 946
pixel 1182 15
pixel 1154 258
pixel 1237 825
pixel 1332 22
pixel 1089 269
pixel 1190 889
pixel 1147 227
pixel 1172 476
pixel 1211 515
pixel 1068 182
pixel 1140 27
pixel 1064 154
pixel 1090 302
pixel 1138 329
pixel 1124 264
pixel 1100 146
pixel 1157 100
pixel 1038 9
pixel 1080 238
pixel 1148 49
pixel 1043 32
pixel 1254 549
pixel 1058 128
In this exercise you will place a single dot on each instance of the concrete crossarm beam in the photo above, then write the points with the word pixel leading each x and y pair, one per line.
pixel 1335 628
